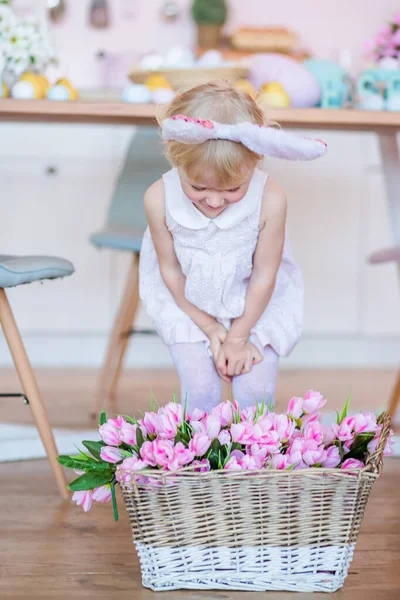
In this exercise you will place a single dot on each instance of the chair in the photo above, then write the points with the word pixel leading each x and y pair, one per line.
pixel 126 223
pixel 384 256
pixel 15 271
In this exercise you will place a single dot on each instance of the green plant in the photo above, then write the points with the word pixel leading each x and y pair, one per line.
pixel 210 12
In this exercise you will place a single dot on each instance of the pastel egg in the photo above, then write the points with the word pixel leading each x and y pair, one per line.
pixel 58 92
pixel 211 59
pixel 151 62
pixel 136 93
pixel 178 57
pixel 23 90
pixel 299 83
pixel 163 96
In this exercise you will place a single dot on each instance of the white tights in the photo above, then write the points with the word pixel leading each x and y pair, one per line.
pixel 201 384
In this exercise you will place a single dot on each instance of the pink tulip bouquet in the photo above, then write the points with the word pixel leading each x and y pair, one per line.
pixel 226 438
pixel 386 43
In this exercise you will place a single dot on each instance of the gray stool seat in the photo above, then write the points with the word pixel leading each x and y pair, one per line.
pixel 118 238
pixel 17 270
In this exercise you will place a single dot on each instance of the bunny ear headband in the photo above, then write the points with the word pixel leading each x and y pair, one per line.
pixel 262 140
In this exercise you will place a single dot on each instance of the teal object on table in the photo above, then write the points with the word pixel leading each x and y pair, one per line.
pixel 379 89
pixel 144 164
pixel 333 80
pixel 18 270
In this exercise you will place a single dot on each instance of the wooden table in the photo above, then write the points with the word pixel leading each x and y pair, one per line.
pixel 384 124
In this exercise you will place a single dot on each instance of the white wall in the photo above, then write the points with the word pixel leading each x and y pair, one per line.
pixel 337 216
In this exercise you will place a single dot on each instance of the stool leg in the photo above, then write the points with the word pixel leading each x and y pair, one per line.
pixel 125 339
pixel 118 343
pixel 395 397
pixel 31 390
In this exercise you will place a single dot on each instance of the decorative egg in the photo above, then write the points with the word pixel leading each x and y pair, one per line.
pixel 245 86
pixel 393 103
pixel 372 102
pixel 153 82
pixel 58 92
pixel 25 90
pixel 273 95
pixel 211 59
pixel 151 62
pixel 163 96
pixel 136 93
pixel 40 82
pixel 178 57
pixel 300 85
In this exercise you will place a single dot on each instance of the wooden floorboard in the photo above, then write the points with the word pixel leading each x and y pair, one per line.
pixel 50 549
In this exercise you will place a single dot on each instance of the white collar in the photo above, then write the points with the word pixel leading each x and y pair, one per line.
pixel 183 211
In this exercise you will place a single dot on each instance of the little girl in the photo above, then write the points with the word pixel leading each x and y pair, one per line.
pixel 216 273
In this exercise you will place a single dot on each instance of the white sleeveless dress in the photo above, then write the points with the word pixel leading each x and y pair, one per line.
pixel 216 256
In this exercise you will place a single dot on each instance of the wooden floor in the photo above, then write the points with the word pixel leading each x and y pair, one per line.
pixel 51 549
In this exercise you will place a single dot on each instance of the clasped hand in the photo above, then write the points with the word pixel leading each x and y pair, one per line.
pixel 232 356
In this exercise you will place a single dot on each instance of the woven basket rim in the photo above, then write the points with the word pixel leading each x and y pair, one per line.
pixel 373 467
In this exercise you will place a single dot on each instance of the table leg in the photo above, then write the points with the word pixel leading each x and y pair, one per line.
pixel 391 173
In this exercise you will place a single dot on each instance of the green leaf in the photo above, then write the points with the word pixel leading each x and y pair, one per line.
pixel 130 420
pixel 114 499
pixel 103 418
pixel 236 446
pixel 94 448
pixel 213 454
pixel 220 465
pixel 345 409
pixel 79 464
pixel 91 479
pixel 139 438
pixel 337 417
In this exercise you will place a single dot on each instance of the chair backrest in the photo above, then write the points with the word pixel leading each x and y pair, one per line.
pixel 144 164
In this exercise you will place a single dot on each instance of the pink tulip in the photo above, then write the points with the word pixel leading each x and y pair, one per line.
pixel 174 411
pixel 322 434
pixel 295 407
pixel 396 18
pixel 242 433
pixel 151 421
pixel 128 434
pixel 344 431
pixel 278 461
pixel 385 30
pixel 233 464
pixel 83 498
pixel 110 454
pixel 224 437
pixel 117 422
pixel 198 426
pixel 332 458
pixel 313 453
pixel 225 412
pixel 197 414
pixel 124 473
pixel 313 401
pixel 199 444
pixel 110 434
pixel 182 456
pixel 102 494
pixel 201 466
pixel 248 413
pixel 147 454
pixel 213 425
pixel 352 463
pixel 295 452
pixel 388 450
pixel 168 426
pixel 257 450
pixel 284 427
pixel 250 463
pixel 163 451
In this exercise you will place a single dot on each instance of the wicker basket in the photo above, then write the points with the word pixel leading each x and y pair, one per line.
pixel 253 531
pixel 187 78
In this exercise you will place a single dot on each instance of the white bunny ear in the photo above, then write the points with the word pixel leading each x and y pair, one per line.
pixel 281 144
pixel 266 141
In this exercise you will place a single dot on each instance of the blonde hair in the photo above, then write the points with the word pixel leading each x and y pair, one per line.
pixel 225 160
